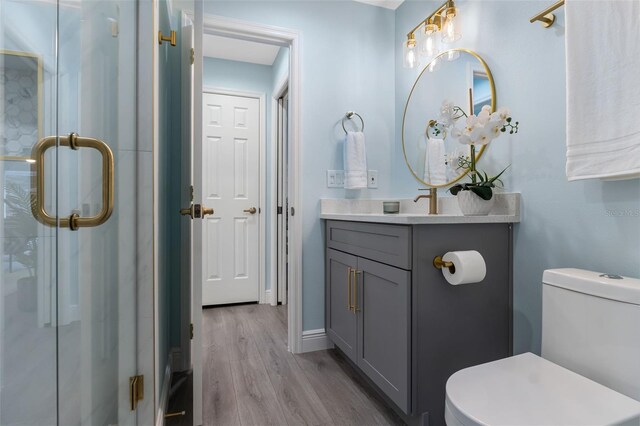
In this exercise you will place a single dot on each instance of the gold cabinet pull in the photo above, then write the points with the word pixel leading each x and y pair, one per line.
pixel 251 210
pixel 74 221
pixel 355 290
pixel 349 288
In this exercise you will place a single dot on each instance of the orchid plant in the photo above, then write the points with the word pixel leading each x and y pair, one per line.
pixel 477 131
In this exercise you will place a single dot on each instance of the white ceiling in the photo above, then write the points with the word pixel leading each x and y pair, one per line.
pixel 387 4
pixel 239 50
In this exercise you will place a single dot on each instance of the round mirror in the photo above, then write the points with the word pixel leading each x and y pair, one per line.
pixel 448 88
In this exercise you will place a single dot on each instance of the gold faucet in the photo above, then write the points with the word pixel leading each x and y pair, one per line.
pixel 433 199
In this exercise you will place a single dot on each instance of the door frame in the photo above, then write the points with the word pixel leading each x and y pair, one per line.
pixel 277 273
pixel 262 162
pixel 234 28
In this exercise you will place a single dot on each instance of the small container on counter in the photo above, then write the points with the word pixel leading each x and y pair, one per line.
pixel 391 207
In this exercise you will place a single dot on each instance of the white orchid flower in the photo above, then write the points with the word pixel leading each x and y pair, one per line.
pixel 495 127
pixel 483 117
pixel 465 139
pixel 503 113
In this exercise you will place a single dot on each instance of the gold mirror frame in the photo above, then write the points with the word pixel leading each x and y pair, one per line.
pixel 404 115
pixel 40 87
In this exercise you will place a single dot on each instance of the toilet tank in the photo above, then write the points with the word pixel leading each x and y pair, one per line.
pixel 591 325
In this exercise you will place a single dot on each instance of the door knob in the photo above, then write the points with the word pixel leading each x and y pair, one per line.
pixel 196 211
pixel 252 210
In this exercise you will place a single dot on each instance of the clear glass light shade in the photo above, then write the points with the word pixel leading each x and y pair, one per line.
pixel 451 28
pixel 429 43
pixel 409 54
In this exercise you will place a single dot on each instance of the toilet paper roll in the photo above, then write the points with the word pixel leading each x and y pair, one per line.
pixel 469 267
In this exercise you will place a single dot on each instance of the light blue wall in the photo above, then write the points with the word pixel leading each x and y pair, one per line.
pixel 280 67
pixel 243 76
pixel 347 64
pixel 587 224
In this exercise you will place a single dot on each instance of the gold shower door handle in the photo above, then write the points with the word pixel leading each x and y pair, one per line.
pixel 252 210
pixel 74 221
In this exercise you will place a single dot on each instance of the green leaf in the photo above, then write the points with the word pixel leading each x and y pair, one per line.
pixel 483 192
pixel 497 177
pixel 455 189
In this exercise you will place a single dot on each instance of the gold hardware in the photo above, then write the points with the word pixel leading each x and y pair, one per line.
pixel 176 414
pixel 436 18
pixel 355 290
pixel 171 38
pixel 187 212
pixel 252 210
pixel 136 390
pixel 191 331
pixel 74 221
pixel 192 56
pixel 196 211
pixel 546 18
pixel 349 305
pixel 406 108
pixel 433 199
pixel 438 263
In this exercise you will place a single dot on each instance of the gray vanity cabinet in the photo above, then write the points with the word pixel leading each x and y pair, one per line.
pixel 376 334
pixel 411 329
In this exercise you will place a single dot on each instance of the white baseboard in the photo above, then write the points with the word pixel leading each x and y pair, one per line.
pixel 315 340
pixel 164 392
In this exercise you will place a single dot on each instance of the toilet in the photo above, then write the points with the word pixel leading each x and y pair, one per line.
pixel 589 372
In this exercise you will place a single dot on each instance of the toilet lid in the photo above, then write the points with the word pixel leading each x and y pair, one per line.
pixel 529 390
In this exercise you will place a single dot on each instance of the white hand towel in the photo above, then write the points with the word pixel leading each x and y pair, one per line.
pixel 603 89
pixel 435 169
pixel 355 161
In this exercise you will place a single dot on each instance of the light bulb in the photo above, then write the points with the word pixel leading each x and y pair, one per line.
pixel 451 28
pixel 409 53
pixel 429 45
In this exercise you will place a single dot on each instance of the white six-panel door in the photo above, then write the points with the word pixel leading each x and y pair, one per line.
pixel 231 185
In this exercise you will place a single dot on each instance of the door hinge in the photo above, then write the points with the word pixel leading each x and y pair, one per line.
pixel 279 211
pixel 136 390
pixel 192 55
pixel 191 330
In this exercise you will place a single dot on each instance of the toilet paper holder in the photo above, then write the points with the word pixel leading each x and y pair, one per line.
pixel 438 263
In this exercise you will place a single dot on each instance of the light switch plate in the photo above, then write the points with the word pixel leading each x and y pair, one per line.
pixel 335 178
pixel 372 179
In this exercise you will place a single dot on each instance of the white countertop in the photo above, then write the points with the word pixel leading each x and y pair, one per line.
pixel 505 210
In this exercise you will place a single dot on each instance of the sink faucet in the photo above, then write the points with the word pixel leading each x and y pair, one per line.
pixel 433 199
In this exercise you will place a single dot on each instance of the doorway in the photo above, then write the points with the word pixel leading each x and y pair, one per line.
pixel 282 40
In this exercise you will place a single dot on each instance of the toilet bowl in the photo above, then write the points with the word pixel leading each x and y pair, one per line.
pixel 589 372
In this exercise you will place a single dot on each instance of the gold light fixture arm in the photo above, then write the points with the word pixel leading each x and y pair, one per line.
pixel 546 18
pixel 74 221
pixel 446 5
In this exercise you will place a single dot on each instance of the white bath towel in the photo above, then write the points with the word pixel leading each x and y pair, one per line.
pixel 435 169
pixel 603 89
pixel 355 161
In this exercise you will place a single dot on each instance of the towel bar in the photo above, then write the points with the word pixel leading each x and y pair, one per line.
pixel 545 17
pixel 348 116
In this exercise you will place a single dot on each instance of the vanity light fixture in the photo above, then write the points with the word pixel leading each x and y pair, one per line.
pixel 442 22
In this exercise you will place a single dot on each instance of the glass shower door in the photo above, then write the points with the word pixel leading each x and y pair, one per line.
pixel 68 158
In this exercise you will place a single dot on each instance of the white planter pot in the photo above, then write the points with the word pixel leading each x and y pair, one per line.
pixel 472 205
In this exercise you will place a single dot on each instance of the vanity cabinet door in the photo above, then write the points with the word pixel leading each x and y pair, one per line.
pixel 383 308
pixel 340 319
